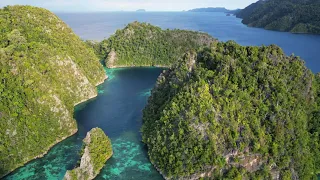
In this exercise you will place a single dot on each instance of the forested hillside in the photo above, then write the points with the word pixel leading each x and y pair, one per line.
pixel 45 69
pixel 297 16
pixel 235 112
pixel 141 44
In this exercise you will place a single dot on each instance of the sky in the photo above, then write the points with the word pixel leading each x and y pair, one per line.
pixel 127 5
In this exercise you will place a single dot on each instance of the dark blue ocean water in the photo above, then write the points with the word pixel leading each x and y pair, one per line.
pixel 96 26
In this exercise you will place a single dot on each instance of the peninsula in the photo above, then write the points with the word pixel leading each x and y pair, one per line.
pixel 299 16
pixel 45 71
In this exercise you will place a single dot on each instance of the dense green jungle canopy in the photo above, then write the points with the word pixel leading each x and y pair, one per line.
pixel 297 16
pixel 235 112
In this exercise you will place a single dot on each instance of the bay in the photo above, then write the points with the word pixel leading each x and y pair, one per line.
pixel 118 111
pixel 97 26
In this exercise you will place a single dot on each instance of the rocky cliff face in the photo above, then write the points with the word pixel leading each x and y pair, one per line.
pixel 111 59
pixel 97 150
pixel 45 69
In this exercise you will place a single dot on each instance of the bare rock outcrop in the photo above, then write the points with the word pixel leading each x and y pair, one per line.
pixel 97 150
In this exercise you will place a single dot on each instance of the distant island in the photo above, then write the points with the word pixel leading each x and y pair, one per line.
pixel 209 9
pixel 283 15
pixel 214 9
pixel 141 10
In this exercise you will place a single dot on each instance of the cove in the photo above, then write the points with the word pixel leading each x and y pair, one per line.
pixel 97 26
pixel 118 111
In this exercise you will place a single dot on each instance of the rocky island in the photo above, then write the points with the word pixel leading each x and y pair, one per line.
pixel 141 10
pixel 96 150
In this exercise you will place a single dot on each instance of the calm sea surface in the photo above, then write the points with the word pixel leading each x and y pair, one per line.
pixel 118 108
pixel 97 26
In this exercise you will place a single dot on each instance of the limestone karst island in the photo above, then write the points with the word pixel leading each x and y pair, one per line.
pixel 186 90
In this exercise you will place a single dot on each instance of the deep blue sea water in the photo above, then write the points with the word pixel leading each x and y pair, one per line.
pixel 118 108
pixel 97 26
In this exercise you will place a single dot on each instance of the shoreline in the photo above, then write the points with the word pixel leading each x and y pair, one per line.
pixel 58 140
pixel 164 176
pixel 274 30
pixel 136 66
pixel 43 154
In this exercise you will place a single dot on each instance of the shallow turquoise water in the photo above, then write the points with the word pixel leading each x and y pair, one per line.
pixel 118 111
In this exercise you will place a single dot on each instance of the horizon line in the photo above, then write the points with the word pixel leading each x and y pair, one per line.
pixel 101 11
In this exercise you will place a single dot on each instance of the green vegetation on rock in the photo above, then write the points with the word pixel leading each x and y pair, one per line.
pixel 314 125
pixel 234 112
pixel 141 44
pixel 97 149
pixel 45 69
pixel 297 16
